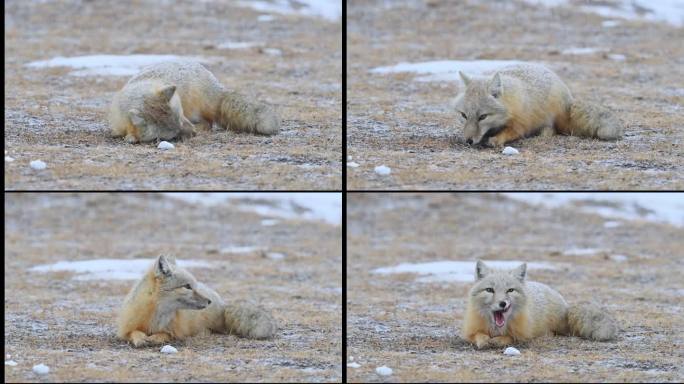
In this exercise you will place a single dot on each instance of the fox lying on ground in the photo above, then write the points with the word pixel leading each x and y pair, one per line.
pixel 165 101
pixel 168 303
pixel 503 308
pixel 523 100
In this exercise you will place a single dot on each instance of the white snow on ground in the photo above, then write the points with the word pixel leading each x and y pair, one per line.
pixel 275 255
pixel 581 51
pixel 618 258
pixel 669 11
pixel 612 224
pixel 269 222
pixel 317 206
pixel 111 65
pixel 119 269
pixel 446 70
pixel 239 45
pixel 330 10
pixel 449 271
pixel 352 164
pixel 9 159
pixel 11 363
pixel 353 365
pixel 657 207
pixel 617 57
pixel 582 251
pixel 240 249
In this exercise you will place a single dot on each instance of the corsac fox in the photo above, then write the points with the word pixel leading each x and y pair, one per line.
pixel 503 308
pixel 168 303
pixel 523 100
pixel 165 101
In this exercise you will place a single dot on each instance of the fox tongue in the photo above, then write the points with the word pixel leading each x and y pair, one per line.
pixel 499 318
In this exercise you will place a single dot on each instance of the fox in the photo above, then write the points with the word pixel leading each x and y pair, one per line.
pixel 503 308
pixel 175 99
pixel 168 303
pixel 523 100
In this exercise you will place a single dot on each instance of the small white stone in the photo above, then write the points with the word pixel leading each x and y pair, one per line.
pixel 352 164
pixel 273 51
pixel 610 23
pixel 168 349
pixel 41 369
pixel 9 159
pixel 510 151
pixel 611 224
pixel 38 165
pixel 11 363
pixel 510 351
pixel 618 258
pixel 617 57
pixel 383 170
pixel 353 365
pixel 265 18
pixel 165 145
pixel 383 371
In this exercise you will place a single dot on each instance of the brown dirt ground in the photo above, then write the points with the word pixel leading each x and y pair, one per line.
pixel 61 119
pixel 69 325
pixel 410 126
pixel 414 327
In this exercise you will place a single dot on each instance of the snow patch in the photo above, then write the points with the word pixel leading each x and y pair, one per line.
pixel 330 10
pixel 668 11
pixel 238 45
pixel 273 51
pixel 240 249
pixel 9 159
pixel 316 206
pixel 662 207
pixel 269 222
pixel 610 23
pixel 612 224
pixel 353 164
pixel 275 255
pixel 383 371
pixel 446 70
pixel 117 269
pixel 353 365
pixel 383 170
pixel 619 258
pixel 510 351
pixel 165 145
pixel 168 349
pixel 582 251
pixel 11 363
pixel 265 18
pixel 109 65
pixel 452 271
pixel 38 165
pixel 617 57
pixel 581 51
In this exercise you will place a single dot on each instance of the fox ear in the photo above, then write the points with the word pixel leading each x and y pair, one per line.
pixel 162 266
pixel 495 86
pixel 135 117
pixel 166 93
pixel 481 270
pixel 520 272
pixel 466 79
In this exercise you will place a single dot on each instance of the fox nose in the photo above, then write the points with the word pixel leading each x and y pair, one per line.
pixel 208 302
pixel 502 304
pixel 469 141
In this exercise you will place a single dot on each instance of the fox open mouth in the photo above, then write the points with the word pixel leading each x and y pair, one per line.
pixel 499 317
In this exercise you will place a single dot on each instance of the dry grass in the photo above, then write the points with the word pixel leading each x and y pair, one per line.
pixel 69 325
pixel 61 119
pixel 413 327
pixel 410 126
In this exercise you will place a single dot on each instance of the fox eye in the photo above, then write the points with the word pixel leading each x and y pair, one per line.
pixel 482 117
pixel 510 290
pixel 187 286
pixel 464 115
pixel 490 290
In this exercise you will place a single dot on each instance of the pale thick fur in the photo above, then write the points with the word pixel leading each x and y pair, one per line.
pixel 526 99
pixel 532 310
pixel 161 307
pixel 167 100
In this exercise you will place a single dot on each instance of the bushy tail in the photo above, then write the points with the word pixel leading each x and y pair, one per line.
pixel 589 120
pixel 239 114
pixel 247 320
pixel 591 322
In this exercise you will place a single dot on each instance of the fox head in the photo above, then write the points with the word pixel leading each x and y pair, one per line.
pixel 480 108
pixel 498 294
pixel 177 287
pixel 160 116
